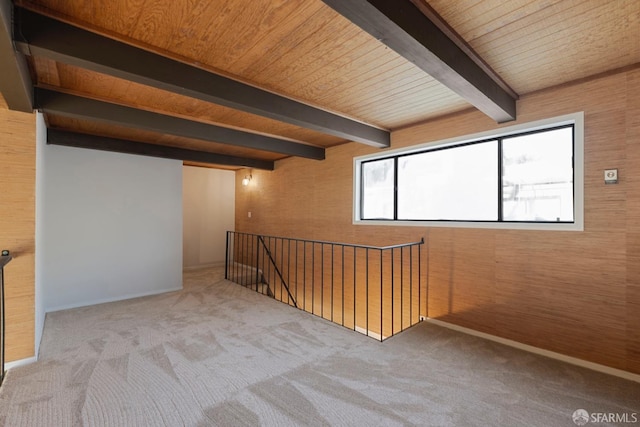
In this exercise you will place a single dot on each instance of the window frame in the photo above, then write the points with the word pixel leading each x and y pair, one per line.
pixel 575 119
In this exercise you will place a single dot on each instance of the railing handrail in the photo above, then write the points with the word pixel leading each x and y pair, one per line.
pixel 400 245
pixel 326 242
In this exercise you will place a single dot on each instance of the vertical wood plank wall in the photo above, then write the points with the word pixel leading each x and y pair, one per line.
pixel 17 227
pixel 576 293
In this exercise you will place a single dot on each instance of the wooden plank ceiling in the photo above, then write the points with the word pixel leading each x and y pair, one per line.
pixel 304 50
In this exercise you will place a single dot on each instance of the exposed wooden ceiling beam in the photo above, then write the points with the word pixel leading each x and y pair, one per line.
pixel 79 140
pixel 15 83
pixel 438 21
pixel 43 36
pixel 401 26
pixel 50 101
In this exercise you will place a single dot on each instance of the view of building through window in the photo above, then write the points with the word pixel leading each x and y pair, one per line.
pixel 537 176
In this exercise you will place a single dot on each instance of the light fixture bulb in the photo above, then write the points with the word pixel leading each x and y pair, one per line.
pixel 246 180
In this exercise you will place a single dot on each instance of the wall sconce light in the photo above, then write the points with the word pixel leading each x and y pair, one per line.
pixel 246 180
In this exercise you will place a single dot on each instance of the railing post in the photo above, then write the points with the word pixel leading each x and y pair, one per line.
pixel 313 278
pixel 226 258
pixel 257 261
pixel 332 266
pixel 381 294
pixel 282 263
pixel 322 280
pixel 366 281
pixel 295 274
pixel 410 284
pixel 244 259
pixel 420 282
pixel 401 289
pixel 355 282
pixel 342 285
pixel 289 263
pixel 393 283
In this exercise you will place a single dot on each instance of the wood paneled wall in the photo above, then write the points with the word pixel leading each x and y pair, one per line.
pixel 17 227
pixel 575 293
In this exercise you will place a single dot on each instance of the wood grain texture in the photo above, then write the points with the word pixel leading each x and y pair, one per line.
pixel 632 181
pixel 111 131
pixel 304 50
pixel 534 44
pixel 103 87
pixel 576 293
pixel 17 228
pixel 300 49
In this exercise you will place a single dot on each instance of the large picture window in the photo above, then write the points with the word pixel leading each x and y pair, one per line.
pixel 526 176
pixel 457 183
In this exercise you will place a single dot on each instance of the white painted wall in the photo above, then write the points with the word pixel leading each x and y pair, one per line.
pixel 111 226
pixel 209 212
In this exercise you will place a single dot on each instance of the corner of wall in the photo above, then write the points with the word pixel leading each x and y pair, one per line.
pixel 41 140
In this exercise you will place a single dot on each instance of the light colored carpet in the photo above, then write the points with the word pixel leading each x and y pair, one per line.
pixel 217 354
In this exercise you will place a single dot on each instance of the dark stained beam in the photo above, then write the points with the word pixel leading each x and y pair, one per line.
pixel 402 26
pixel 43 36
pixel 15 82
pixel 78 107
pixel 448 30
pixel 79 140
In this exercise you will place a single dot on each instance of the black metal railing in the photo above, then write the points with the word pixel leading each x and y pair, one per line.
pixel 4 260
pixel 374 290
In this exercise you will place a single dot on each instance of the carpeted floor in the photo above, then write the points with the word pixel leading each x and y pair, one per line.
pixel 217 354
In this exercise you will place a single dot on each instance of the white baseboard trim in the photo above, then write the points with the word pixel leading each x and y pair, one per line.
pixel 113 299
pixel 368 333
pixel 199 266
pixel 542 352
pixel 20 362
